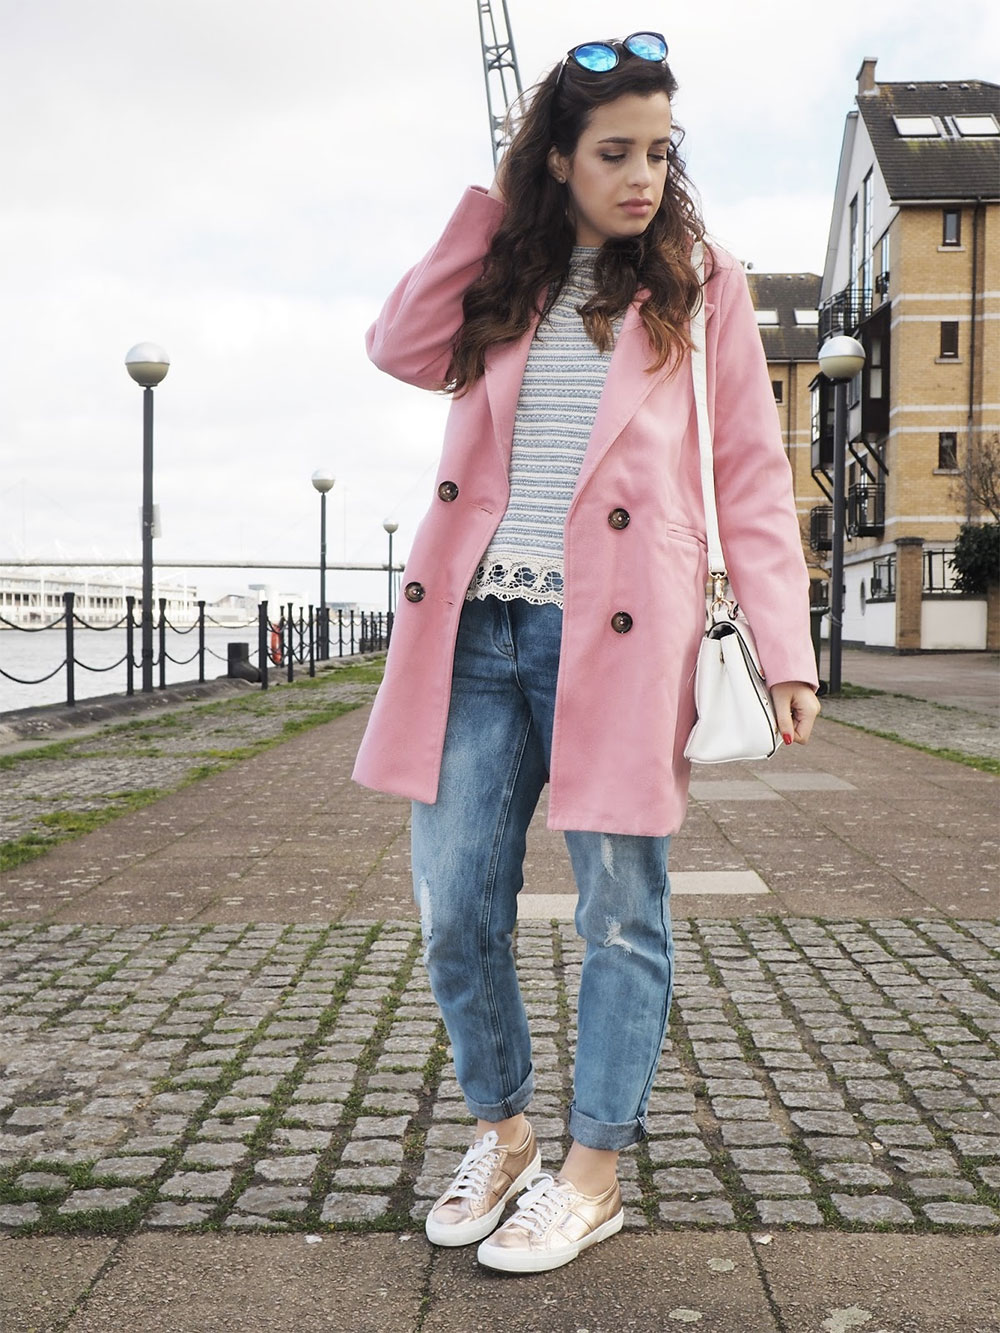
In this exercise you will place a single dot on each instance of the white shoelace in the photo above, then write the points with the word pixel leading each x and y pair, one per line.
pixel 541 1204
pixel 475 1169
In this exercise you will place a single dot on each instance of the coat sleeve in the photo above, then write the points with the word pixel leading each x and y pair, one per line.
pixel 758 523
pixel 412 338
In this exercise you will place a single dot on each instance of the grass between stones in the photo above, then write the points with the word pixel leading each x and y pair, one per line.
pixel 61 825
pixel 136 739
pixel 360 980
pixel 984 763
pixel 807 1164
pixel 82 1176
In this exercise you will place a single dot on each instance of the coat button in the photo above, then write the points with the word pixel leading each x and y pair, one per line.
pixel 619 518
pixel 414 592
pixel 621 622
pixel 448 491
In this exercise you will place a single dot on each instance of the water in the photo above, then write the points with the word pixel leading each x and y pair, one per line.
pixel 31 656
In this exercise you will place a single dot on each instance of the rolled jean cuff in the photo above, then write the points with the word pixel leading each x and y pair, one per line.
pixel 510 1106
pixel 600 1134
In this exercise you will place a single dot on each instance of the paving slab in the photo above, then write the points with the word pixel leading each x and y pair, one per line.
pixel 900 1284
pixel 640 1283
pixel 257 1284
pixel 44 1277
pixel 851 824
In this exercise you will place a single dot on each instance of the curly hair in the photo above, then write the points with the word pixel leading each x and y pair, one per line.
pixel 528 258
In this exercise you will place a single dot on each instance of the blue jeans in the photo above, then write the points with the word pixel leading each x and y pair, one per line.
pixel 468 852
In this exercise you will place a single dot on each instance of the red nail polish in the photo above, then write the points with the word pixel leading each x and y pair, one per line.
pixel 786 736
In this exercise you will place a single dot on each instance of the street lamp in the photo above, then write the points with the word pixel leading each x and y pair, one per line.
pixel 323 480
pixel 390 525
pixel 148 365
pixel 840 359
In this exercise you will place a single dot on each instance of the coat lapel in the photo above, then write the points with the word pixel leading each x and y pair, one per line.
pixel 505 363
pixel 625 388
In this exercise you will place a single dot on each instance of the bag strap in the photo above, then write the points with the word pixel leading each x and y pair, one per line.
pixel 716 559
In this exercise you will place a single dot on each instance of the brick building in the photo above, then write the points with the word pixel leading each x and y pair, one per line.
pixel 913 272
pixel 787 306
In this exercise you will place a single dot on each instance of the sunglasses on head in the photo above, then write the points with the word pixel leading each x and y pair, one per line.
pixel 599 57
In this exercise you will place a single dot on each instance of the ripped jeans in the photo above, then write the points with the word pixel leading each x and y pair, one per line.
pixel 468 852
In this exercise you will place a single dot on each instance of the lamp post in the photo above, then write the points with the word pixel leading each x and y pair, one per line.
pixel 323 480
pixel 840 359
pixel 148 365
pixel 390 526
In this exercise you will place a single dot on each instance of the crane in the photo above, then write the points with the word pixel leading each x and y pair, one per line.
pixel 503 78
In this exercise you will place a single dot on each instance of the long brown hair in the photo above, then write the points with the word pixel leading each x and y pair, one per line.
pixel 529 254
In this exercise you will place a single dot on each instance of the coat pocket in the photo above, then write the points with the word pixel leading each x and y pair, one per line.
pixel 679 532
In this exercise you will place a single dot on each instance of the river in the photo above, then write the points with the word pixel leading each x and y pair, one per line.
pixel 33 655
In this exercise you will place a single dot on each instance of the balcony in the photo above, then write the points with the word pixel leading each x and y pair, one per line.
pixel 866 510
pixel 844 312
pixel 821 528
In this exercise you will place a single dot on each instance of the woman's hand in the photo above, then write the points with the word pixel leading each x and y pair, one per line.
pixel 796 708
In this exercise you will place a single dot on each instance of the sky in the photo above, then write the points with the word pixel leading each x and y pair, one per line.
pixel 243 183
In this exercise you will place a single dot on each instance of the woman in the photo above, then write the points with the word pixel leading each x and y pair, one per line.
pixel 553 605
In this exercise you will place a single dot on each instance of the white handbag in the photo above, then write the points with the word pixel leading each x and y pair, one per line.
pixel 736 717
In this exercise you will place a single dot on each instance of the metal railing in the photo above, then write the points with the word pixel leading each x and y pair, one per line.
pixel 299 637
pixel 821 527
pixel 844 312
pixel 866 509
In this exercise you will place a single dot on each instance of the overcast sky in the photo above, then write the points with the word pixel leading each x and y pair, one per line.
pixel 243 183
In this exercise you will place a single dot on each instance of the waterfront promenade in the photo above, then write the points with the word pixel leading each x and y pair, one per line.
pixel 227 1101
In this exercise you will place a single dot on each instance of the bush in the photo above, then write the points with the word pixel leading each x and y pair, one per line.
pixel 976 559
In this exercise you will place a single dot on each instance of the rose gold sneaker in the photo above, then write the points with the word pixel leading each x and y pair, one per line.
pixel 490 1173
pixel 554 1223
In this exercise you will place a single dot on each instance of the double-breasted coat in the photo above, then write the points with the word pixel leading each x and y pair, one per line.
pixel 635 553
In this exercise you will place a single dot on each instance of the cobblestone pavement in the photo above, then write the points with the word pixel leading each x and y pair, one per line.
pixel 159 753
pixel 920 722
pixel 837 1074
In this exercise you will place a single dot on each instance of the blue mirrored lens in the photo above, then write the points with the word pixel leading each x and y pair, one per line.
pixel 595 56
pixel 647 46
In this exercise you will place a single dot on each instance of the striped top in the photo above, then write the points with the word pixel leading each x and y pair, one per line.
pixel 562 386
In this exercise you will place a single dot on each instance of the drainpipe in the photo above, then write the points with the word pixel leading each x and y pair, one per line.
pixel 972 353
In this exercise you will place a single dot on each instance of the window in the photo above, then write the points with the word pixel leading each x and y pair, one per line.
pixel 917 127
pixel 875 368
pixel 939 575
pixel 951 230
pixel 976 126
pixel 949 338
pixel 767 316
pixel 866 234
pixel 807 317
pixel 853 238
pixel 883 580
pixel 947 451
pixel 778 390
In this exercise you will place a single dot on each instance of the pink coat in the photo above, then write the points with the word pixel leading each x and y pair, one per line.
pixel 624 701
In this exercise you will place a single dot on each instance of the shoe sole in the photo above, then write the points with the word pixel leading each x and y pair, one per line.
pixel 534 1261
pixel 467 1233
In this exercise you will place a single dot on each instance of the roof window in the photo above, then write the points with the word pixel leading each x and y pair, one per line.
pixel 976 126
pixel 917 127
pixel 767 316
pixel 806 316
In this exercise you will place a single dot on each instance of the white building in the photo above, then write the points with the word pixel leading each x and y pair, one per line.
pixel 34 597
